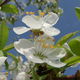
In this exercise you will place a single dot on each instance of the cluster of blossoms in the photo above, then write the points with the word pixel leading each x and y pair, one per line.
pixel 3 75
pixel 41 49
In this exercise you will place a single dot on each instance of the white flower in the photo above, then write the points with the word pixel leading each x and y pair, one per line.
pixel 2 60
pixel 21 76
pixel 3 77
pixel 51 1
pixel 40 52
pixel 68 48
pixel 44 24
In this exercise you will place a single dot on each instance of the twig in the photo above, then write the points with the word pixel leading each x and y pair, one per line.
pixel 5 2
pixel 18 5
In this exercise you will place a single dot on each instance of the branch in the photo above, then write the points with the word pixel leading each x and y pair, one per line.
pixel 5 2
pixel 18 5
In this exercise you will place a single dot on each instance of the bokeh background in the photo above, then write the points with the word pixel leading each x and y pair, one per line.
pixel 67 23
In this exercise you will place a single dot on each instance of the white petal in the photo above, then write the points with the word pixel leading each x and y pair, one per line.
pixel 46 25
pixel 62 53
pixel 66 46
pixel 53 1
pixel 22 45
pixel 21 76
pixel 3 77
pixel 46 39
pixel 51 31
pixel 75 65
pixel 20 30
pixel 34 59
pixel 56 53
pixel 32 21
pixel 55 63
pixel 2 60
pixel 51 18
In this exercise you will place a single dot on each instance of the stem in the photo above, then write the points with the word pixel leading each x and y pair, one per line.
pixel 5 2
pixel 9 47
pixel 18 5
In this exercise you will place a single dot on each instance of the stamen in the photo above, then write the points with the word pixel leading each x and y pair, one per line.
pixel 27 12
pixel 32 13
pixel 45 45
pixel 42 13
pixel 6 73
pixel 51 46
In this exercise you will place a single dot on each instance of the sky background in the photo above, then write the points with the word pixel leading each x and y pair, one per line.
pixel 67 23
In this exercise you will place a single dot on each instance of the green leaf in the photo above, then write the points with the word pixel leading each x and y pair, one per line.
pixel 69 54
pixel 35 76
pixel 1 53
pixel 65 38
pixel 9 8
pixel 75 45
pixel 3 34
pixel 1 1
pixel 15 59
pixel 73 60
pixel 8 47
pixel 78 12
pixel 6 65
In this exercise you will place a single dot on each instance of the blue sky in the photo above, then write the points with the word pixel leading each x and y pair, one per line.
pixel 67 23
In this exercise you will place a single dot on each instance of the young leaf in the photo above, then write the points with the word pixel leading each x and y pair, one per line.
pixel 9 8
pixel 8 47
pixel 78 12
pixel 34 74
pixel 1 53
pixel 15 59
pixel 1 1
pixel 3 34
pixel 75 45
pixel 73 60
pixel 66 38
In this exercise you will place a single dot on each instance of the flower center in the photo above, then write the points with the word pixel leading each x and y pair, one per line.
pixel 37 32
pixel 40 55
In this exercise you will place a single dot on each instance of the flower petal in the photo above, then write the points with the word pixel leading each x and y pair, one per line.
pixel 51 31
pixel 32 21
pixel 22 45
pixel 56 53
pixel 21 76
pixel 66 46
pixel 55 63
pixel 45 39
pixel 30 56
pixel 3 77
pixel 20 30
pixel 2 60
pixel 34 59
pixel 62 53
pixel 51 18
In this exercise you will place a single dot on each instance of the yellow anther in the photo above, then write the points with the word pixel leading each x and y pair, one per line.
pixel 27 12
pixel 45 45
pixel 31 13
pixel 51 46
pixel 41 40
pixel 58 45
pixel 6 73
pixel 31 35
pixel 42 13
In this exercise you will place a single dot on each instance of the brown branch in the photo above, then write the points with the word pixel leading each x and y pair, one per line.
pixel 18 5
pixel 5 2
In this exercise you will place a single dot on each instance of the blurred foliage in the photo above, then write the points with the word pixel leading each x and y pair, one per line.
pixel 9 13
pixel 77 9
